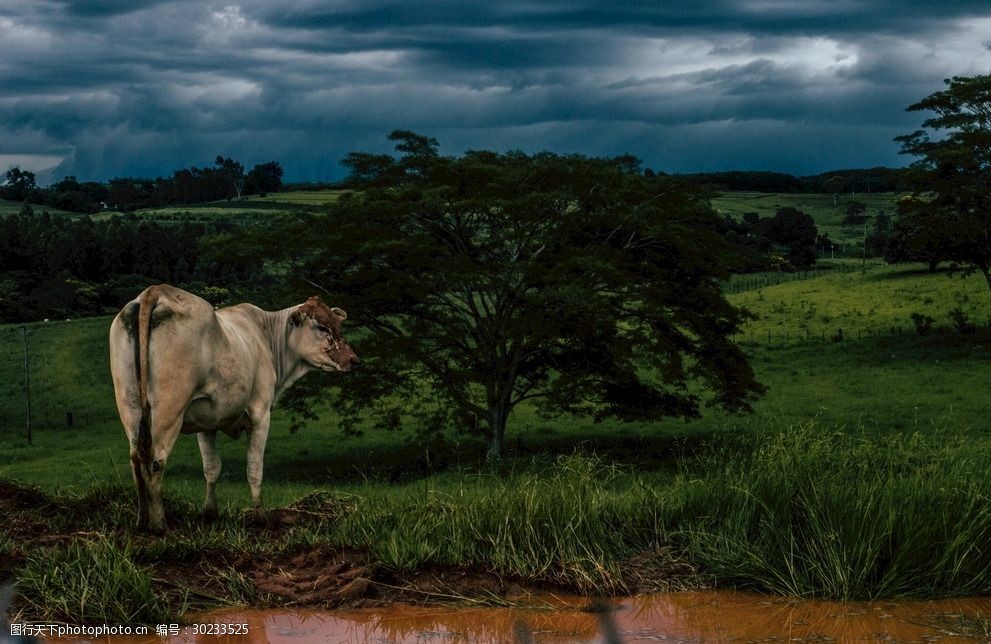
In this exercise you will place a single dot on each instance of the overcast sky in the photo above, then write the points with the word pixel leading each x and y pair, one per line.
pixel 104 88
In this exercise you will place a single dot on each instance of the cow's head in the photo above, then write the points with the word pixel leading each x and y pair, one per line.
pixel 316 336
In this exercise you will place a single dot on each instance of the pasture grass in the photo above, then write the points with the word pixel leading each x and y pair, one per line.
pixel 8 207
pixel 90 581
pixel 841 513
pixel 828 217
pixel 812 511
pixel 252 210
pixel 860 475
pixel 309 198
pixel 869 305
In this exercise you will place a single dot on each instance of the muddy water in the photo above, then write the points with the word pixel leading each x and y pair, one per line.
pixel 672 617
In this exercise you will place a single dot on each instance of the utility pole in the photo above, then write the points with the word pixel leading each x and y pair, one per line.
pixel 27 377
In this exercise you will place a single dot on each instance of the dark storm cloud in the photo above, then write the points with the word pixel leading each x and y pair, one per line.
pixel 125 87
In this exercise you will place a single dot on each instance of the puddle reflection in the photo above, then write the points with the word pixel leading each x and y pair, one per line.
pixel 671 617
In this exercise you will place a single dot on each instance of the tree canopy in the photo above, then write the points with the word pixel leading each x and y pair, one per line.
pixel 952 175
pixel 487 280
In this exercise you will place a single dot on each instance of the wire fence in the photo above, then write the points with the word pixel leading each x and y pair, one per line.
pixel 56 419
pixel 792 337
pixel 744 282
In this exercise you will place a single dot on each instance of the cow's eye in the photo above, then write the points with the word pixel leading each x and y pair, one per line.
pixel 322 329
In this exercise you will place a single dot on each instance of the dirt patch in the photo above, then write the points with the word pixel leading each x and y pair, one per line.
pixel 24 510
pixel 329 578
pixel 320 577
pixel 14 496
pixel 317 577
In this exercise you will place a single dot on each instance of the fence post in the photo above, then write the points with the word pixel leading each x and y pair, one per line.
pixel 27 378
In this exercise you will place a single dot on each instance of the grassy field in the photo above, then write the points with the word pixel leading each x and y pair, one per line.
pixel 860 474
pixel 820 207
pixel 14 207
pixel 309 198
pixel 252 207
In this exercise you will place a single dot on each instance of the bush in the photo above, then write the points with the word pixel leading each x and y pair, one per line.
pixel 923 323
pixel 961 322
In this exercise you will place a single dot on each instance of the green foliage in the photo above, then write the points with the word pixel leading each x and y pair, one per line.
pixel 490 279
pixel 828 218
pixel 961 322
pixel 19 186
pixel 923 323
pixel 794 229
pixel 953 174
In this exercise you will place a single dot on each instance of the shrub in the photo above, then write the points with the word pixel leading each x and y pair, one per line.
pixel 923 323
pixel 961 322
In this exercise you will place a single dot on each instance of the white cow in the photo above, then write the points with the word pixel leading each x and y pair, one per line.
pixel 180 367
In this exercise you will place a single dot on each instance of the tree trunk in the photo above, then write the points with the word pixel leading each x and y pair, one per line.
pixel 986 270
pixel 497 416
pixel 932 266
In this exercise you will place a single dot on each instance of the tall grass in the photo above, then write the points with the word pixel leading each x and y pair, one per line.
pixel 811 511
pixel 814 512
pixel 90 582
pixel 569 523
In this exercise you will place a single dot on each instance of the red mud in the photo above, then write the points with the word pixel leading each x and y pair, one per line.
pixel 707 616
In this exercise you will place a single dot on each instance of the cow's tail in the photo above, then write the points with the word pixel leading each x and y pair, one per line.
pixel 146 303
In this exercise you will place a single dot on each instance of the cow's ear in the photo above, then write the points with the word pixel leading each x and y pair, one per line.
pixel 296 318
pixel 341 313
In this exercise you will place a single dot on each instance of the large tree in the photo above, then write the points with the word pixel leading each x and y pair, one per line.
pixel 20 185
pixel 488 280
pixel 952 176
pixel 233 173
pixel 263 178
pixel 795 229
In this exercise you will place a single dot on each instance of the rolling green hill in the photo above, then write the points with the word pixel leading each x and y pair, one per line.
pixel 820 207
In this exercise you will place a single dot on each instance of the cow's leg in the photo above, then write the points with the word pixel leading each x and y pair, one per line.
pixel 130 417
pixel 139 485
pixel 256 455
pixel 211 471
pixel 163 439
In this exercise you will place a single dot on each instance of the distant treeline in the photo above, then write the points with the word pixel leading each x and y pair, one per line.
pixel 835 182
pixel 225 180
pixel 69 267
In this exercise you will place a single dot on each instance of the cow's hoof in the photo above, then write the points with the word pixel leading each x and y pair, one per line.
pixel 157 530
pixel 209 515
pixel 256 517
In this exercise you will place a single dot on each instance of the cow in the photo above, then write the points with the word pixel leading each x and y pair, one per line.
pixel 181 367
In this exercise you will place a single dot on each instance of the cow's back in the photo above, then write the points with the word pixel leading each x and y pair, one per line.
pixel 182 334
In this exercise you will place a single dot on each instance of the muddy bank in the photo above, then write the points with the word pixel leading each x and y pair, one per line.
pixel 273 561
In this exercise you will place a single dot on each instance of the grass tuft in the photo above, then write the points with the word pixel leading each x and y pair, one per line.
pixel 90 582
pixel 841 514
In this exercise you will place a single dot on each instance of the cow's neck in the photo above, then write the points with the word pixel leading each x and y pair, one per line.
pixel 288 367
